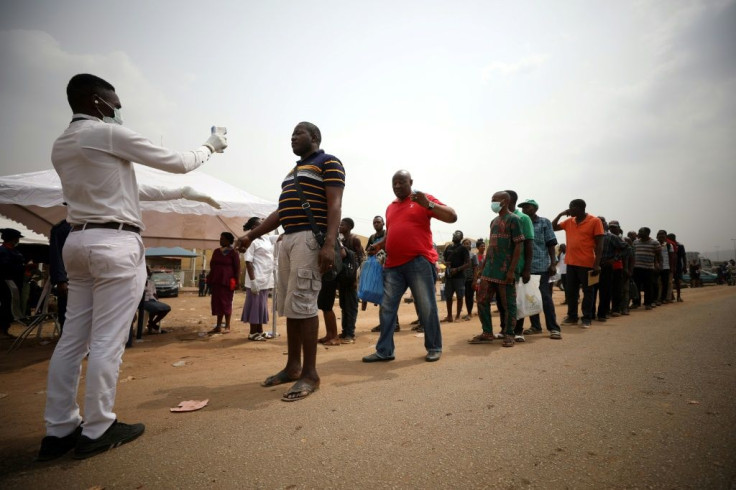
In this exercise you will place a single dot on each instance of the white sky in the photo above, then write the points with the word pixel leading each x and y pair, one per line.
pixel 629 105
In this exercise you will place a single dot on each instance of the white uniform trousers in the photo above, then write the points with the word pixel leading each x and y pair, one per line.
pixel 107 274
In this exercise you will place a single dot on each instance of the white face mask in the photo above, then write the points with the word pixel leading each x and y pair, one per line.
pixel 496 207
pixel 116 117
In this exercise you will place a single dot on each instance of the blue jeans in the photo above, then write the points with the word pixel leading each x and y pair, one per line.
pixel 419 275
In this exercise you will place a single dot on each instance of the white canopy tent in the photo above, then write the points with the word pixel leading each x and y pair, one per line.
pixel 35 199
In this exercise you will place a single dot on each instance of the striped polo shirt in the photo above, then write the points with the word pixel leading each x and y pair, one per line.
pixel 316 172
pixel 645 253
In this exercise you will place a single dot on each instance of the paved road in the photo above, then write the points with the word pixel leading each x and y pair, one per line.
pixel 644 401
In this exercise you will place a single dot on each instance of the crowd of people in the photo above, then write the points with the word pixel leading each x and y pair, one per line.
pixel 318 256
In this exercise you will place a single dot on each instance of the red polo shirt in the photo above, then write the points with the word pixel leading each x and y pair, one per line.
pixel 408 234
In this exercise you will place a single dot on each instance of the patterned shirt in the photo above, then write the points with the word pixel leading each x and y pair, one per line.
pixel 505 236
pixel 612 246
pixel 316 172
pixel 544 236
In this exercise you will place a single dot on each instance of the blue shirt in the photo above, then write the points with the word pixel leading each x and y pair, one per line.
pixel 544 236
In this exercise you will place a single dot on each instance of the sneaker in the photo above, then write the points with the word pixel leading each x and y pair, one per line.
pixel 555 334
pixel 347 340
pixel 532 331
pixel 570 320
pixel 53 447
pixel 116 435
pixel 519 338
pixel 601 318
pixel 615 314
pixel 586 324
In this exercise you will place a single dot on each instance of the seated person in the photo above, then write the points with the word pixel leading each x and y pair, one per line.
pixel 155 308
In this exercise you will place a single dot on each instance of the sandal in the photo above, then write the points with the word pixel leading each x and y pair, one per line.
pixel 508 341
pixel 256 336
pixel 483 338
pixel 278 379
pixel 299 391
pixel 215 330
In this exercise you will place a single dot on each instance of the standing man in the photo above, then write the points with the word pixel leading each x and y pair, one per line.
pixel 619 273
pixel 57 272
pixel 471 273
pixel 544 265
pixel 348 292
pixel 500 274
pixel 584 237
pixel 668 265
pixel 12 268
pixel 611 253
pixel 680 264
pixel 647 264
pixel 410 263
pixel 302 259
pixel 104 258
pixel 457 260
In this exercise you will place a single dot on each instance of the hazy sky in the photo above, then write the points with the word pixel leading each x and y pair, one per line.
pixel 629 105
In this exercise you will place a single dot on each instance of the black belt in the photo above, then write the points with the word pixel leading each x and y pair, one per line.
pixel 110 226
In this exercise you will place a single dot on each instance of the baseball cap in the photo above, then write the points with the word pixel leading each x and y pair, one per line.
pixel 530 201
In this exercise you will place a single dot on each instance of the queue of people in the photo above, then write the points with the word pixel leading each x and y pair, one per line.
pixel 317 256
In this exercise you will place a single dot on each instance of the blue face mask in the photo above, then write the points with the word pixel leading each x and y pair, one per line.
pixel 116 117
pixel 496 207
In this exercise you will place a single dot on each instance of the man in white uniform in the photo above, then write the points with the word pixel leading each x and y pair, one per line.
pixel 104 258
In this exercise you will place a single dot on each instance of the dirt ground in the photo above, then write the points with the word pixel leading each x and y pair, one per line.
pixel 644 401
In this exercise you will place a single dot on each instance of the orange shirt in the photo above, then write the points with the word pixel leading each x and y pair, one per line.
pixel 581 240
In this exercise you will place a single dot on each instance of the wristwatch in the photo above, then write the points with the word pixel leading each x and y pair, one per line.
pixel 430 205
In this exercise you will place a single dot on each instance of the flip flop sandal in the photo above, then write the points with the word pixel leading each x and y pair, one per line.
pixel 301 390
pixel 278 379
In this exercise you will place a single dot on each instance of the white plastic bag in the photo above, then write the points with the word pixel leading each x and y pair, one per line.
pixel 528 298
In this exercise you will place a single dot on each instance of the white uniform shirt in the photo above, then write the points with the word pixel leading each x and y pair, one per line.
pixel 260 254
pixel 94 163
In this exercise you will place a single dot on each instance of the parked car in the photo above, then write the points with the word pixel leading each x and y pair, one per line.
pixel 705 277
pixel 166 284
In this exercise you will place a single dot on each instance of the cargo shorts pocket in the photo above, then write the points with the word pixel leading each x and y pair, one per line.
pixel 304 297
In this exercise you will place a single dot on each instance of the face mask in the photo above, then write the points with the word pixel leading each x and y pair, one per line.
pixel 496 207
pixel 116 117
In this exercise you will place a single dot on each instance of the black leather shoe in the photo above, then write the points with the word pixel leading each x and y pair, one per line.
pixel 55 447
pixel 376 358
pixel 116 435
pixel 433 356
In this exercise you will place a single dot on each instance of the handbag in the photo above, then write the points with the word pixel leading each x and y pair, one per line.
pixel 370 288
pixel 528 298
pixel 319 235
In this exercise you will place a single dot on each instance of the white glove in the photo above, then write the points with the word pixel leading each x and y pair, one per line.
pixel 216 143
pixel 254 288
pixel 193 195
